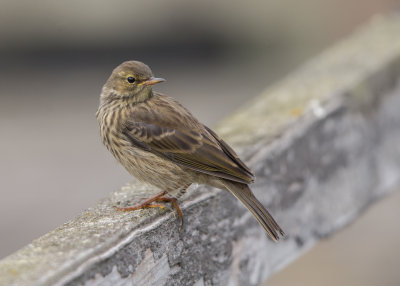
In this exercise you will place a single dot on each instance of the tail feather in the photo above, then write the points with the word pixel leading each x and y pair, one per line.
pixel 246 196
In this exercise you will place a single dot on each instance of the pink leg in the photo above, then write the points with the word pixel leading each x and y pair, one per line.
pixel 161 197
pixel 144 204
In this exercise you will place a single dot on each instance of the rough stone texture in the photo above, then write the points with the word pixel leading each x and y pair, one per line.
pixel 323 144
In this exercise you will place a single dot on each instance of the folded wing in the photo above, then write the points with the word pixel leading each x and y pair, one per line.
pixel 197 148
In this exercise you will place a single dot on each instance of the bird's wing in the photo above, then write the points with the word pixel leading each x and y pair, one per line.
pixel 229 151
pixel 195 147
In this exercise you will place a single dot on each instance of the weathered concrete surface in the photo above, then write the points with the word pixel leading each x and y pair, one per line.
pixel 323 144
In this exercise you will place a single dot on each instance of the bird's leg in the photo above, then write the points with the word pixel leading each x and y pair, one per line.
pixel 175 204
pixel 144 204
pixel 160 197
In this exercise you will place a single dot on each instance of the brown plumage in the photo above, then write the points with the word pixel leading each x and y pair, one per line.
pixel 160 142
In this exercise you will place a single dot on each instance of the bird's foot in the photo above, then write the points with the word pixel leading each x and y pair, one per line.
pixel 175 204
pixel 139 207
pixel 161 198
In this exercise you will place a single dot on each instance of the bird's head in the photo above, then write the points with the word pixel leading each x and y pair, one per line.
pixel 131 79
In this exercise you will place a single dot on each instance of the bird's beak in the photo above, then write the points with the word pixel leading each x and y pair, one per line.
pixel 151 81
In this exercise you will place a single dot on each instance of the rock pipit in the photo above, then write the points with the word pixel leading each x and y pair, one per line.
pixel 160 142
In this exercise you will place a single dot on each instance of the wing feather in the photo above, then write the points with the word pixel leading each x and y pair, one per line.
pixel 196 147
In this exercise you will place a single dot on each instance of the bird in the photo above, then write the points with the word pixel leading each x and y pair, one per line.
pixel 160 142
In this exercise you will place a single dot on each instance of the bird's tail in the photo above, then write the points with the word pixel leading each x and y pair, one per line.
pixel 246 196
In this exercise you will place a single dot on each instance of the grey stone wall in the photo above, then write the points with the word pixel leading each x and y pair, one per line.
pixel 323 143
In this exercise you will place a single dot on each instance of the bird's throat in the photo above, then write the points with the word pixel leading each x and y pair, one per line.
pixel 142 96
pixel 110 96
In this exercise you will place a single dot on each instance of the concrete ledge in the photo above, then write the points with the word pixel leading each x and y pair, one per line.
pixel 323 144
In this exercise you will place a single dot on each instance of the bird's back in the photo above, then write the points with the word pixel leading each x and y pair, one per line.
pixel 178 136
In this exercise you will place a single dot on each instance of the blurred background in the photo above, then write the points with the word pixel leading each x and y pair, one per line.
pixel 55 56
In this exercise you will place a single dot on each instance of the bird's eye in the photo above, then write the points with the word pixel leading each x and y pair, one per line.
pixel 131 79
